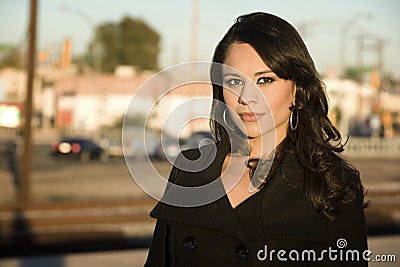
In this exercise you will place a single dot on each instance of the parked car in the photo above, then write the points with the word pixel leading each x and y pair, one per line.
pixel 80 148
pixel 112 147
pixel 170 149
pixel 198 139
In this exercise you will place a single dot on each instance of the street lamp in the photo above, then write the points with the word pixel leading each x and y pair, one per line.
pixel 343 34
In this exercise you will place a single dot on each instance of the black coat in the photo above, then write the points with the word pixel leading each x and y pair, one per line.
pixel 211 235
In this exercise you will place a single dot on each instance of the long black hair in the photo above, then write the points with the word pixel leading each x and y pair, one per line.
pixel 329 180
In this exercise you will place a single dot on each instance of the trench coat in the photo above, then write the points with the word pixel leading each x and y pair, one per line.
pixel 288 230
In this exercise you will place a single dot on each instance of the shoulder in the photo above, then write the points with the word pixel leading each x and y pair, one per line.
pixel 200 164
pixel 351 181
pixel 192 172
pixel 291 170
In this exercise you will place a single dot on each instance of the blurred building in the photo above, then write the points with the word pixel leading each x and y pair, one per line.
pixel 351 104
pixel 77 103
pixel 13 84
pixel 363 109
pixel 86 103
pixel 184 110
pixel 389 105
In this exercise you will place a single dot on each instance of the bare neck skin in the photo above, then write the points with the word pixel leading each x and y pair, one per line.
pixel 235 172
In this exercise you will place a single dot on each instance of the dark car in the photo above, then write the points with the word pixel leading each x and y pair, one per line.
pixel 170 147
pixel 198 139
pixel 81 148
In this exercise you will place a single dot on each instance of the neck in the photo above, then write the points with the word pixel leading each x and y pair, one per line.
pixel 263 146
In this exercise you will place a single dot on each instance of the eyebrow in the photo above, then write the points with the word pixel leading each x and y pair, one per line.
pixel 262 72
pixel 231 74
pixel 258 73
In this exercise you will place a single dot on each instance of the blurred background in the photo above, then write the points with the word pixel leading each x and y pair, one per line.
pixel 69 69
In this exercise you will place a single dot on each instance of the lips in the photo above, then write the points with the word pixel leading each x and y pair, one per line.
pixel 250 116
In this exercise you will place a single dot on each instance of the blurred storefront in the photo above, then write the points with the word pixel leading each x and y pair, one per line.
pixel 390 110
pixel 351 104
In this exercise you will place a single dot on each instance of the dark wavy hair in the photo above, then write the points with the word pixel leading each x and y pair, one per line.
pixel 329 180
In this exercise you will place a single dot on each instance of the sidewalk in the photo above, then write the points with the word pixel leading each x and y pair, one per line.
pixel 379 245
pixel 123 258
pixel 380 176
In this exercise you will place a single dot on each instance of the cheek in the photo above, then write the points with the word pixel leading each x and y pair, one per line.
pixel 280 102
pixel 231 99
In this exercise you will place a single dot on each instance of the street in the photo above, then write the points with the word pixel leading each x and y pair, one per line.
pixel 58 180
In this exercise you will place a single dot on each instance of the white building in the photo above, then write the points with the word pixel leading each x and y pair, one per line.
pixel 85 103
pixel 13 83
pixel 350 103
pixel 82 104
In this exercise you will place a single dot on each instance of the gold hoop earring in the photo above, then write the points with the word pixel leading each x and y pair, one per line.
pixel 226 123
pixel 294 117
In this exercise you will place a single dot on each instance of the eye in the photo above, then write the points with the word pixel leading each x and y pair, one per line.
pixel 234 82
pixel 265 80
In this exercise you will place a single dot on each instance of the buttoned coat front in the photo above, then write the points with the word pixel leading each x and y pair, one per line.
pixel 288 230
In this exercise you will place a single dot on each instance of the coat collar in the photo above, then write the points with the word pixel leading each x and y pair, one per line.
pixel 218 214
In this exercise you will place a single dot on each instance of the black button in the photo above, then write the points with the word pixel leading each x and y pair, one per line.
pixel 189 243
pixel 241 251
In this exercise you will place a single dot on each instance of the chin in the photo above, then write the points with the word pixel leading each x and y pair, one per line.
pixel 251 133
pixel 255 131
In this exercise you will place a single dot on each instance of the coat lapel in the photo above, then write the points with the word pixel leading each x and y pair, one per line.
pixel 217 214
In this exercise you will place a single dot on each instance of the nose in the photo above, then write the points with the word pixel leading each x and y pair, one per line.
pixel 248 95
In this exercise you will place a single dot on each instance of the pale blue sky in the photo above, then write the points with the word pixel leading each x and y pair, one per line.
pixel 172 20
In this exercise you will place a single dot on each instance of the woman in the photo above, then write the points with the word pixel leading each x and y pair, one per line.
pixel 304 209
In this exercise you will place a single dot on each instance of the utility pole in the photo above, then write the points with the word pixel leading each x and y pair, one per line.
pixel 24 185
pixel 343 37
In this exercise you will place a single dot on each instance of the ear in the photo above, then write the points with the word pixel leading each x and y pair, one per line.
pixel 294 91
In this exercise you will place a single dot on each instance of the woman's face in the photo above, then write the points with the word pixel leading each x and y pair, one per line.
pixel 254 93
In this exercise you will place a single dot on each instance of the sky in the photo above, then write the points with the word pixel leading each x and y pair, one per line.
pixel 321 24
